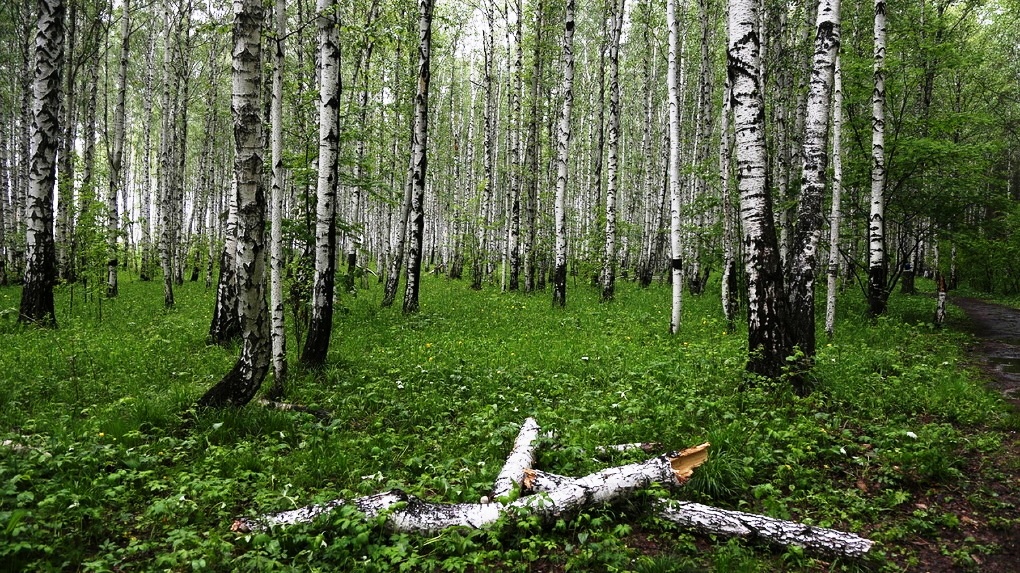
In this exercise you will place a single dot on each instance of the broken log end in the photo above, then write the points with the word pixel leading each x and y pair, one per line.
pixel 684 462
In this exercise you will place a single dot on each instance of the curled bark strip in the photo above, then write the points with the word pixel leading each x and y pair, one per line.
pixel 521 458
pixel 410 514
pixel 286 407
pixel 709 519
pixel 646 447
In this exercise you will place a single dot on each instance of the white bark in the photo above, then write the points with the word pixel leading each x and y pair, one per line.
pixel 768 342
pixel 674 166
pixel 419 157
pixel 717 521
pixel 876 217
pixel 320 328
pixel 37 304
pixel 814 157
pixel 521 458
pixel 613 160
pixel 279 333
pixel 117 154
pixel 242 382
pixel 835 209
pixel 562 157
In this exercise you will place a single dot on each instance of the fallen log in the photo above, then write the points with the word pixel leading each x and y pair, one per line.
pixel 752 526
pixel 708 519
pixel 521 458
pixel 404 512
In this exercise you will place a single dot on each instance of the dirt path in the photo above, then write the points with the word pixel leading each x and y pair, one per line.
pixel 993 492
pixel 997 350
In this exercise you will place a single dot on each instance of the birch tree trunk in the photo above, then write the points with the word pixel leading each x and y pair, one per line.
pixel 516 162
pixel 117 156
pixel 801 287
pixel 729 274
pixel 481 259
pixel 145 216
pixel 533 153
pixel 768 341
pixel 837 191
pixel 37 305
pixel 279 332
pixel 562 149
pixel 877 270
pixel 613 159
pixel 321 326
pixel 419 156
pixel 6 167
pixel 239 386
pixel 676 267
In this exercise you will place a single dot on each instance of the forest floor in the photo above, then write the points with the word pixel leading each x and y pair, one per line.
pixel 996 352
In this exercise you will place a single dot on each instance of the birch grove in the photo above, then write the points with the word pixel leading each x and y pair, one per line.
pixel 532 100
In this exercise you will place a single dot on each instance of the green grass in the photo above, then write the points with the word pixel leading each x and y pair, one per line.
pixel 430 403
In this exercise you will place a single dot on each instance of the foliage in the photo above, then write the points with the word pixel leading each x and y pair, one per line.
pixel 112 478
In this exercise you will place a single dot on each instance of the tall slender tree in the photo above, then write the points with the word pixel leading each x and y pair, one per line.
pixel 877 262
pixel 37 304
pixel 117 153
pixel 562 157
pixel 239 386
pixel 613 159
pixel 835 208
pixel 672 82
pixel 277 262
pixel 419 155
pixel 804 254
pixel 321 326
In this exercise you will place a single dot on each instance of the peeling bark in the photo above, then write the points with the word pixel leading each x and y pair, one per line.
pixel 239 385
pixel 37 306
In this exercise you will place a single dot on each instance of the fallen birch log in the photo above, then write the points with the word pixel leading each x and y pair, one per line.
pixel 521 458
pixel 752 526
pixel 708 519
pixel 407 513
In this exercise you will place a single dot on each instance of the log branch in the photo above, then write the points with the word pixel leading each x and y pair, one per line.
pixel 521 458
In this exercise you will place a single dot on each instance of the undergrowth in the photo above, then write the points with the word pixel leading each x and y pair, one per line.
pixel 106 476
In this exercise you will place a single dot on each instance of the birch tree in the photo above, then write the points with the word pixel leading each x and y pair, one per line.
pixel 516 162
pixel 37 306
pixel 117 153
pixel 419 155
pixel 801 287
pixel 562 156
pixel 321 326
pixel 239 385
pixel 277 262
pixel 613 159
pixel 672 82
pixel 876 219
pixel 768 341
pixel 837 191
